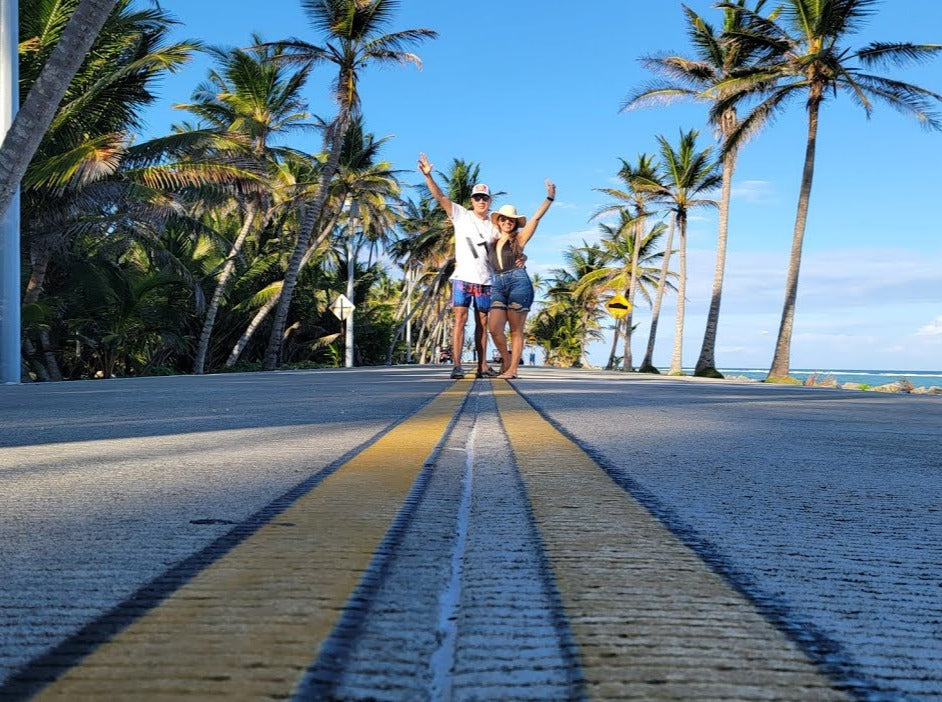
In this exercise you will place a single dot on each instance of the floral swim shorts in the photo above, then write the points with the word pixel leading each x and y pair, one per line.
pixel 463 293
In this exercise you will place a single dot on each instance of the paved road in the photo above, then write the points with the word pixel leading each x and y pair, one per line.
pixel 389 534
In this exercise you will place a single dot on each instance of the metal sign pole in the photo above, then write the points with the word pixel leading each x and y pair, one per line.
pixel 353 212
pixel 409 283
pixel 10 224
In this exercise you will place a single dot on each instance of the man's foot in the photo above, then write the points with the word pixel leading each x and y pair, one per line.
pixel 457 373
pixel 486 373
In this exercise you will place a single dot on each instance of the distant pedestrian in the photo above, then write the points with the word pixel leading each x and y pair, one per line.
pixel 532 358
pixel 512 290
pixel 471 281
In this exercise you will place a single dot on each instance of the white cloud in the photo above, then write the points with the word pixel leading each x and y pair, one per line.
pixel 753 191
pixel 863 307
pixel 933 328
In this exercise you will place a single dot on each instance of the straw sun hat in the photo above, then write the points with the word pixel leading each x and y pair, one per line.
pixel 510 212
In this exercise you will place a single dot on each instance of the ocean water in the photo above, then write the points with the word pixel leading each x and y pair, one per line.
pixel 924 379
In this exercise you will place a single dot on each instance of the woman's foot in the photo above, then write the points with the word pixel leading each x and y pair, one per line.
pixel 507 376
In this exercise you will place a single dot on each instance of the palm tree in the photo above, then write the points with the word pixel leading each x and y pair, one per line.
pixel 371 183
pixel 717 58
pixel 624 267
pixel 353 29
pixel 567 321
pixel 637 201
pixel 579 305
pixel 810 59
pixel 647 364
pixel 684 174
pixel 418 224
pixel 38 110
pixel 77 179
pixel 253 97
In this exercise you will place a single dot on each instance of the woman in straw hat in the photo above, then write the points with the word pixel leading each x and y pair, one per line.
pixel 511 289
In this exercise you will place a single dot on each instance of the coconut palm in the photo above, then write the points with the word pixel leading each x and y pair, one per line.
pixel 354 39
pixel 251 96
pixel 635 204
pixel 420 224
pixel 685 173
pixel 567 321
pixel 78 175
pixel 811 59
pixel 39 108
pixel 624 267
pixel 570 308
pixel 717 57
pixel 647 364
pixel 371 183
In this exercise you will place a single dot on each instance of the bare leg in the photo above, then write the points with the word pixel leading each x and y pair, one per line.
pixel 480 338
pixel 457 335
pixel 517 320
pixel 496 321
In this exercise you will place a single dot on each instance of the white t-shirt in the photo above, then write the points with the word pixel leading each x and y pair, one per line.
pixel 471 234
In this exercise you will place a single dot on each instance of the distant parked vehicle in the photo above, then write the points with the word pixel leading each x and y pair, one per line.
pixel 495 357
pixel 445 356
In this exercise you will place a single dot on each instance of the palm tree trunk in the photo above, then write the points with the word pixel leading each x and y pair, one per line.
pixel 639 235
pixel 200 363
pixel 34 117
pixel 626 352
pixel 615 335
pixel 39 259
pixel 263 312
pixel 706 363
pixel 49 355
pixel 45 355
pixel 273 351
pixel 676 358
pixel 647 365
pixel 420 304
pixel 33 360
pixel 780 360
pixel 583 342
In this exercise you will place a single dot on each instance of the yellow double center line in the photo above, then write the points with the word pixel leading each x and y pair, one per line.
pixel 249 625
pixel 649 618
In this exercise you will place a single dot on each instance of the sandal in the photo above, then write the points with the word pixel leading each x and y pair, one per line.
pixel 489 373
pixel 504 376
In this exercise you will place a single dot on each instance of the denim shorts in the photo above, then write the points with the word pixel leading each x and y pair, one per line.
pixel 512 290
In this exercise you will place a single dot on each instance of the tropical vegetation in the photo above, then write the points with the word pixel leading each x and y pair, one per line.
pixel 220 246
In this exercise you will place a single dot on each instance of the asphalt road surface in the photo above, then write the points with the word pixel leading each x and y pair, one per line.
pixel 387 533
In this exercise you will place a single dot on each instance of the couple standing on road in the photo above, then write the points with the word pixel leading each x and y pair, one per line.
pixel 490 272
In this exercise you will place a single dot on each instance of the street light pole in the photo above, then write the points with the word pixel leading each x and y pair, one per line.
pixel 353 213
pixel 10 224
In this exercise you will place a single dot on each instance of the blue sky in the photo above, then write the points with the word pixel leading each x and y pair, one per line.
pixel 532 89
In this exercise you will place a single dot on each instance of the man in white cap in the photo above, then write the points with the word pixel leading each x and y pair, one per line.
pixel 471 281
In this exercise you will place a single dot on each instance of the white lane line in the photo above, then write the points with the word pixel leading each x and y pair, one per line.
pixel 443 659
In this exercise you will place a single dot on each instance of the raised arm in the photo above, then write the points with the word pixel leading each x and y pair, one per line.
pixel 530 227
pixel 426 168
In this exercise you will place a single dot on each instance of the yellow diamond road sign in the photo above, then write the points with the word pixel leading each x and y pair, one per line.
pixel 618 306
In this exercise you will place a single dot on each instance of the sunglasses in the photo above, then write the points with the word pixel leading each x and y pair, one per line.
pixel 480 197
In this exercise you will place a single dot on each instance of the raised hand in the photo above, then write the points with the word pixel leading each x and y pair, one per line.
pixel 424 166
pixel 550 189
